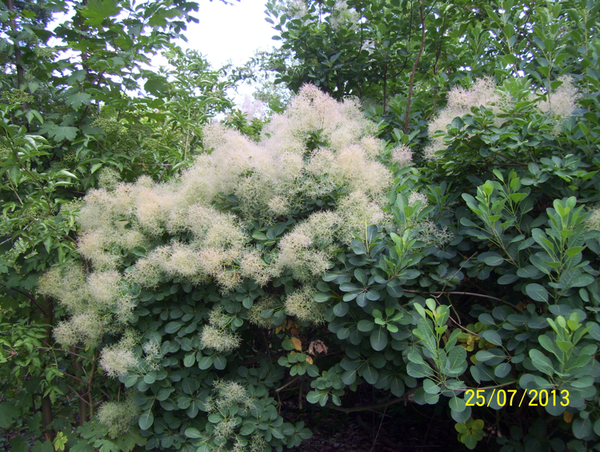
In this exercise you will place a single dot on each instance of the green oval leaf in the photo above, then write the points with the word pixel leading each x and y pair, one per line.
pixel 492 337
pixel 379 339
pixel 146 420
pixel 537 292
pixel 365 325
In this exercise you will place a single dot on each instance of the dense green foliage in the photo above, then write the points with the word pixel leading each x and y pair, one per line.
pixel 440 247
pixel 73 115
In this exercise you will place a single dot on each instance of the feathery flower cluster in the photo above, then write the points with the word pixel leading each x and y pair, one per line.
pixel 152 206
pixel 219 339
pixel 592 223
pixel 313 113
pixel 104 287
pixel 66 335
pixel 118 360
pixel 86 300
pixel 68 286
pixel 415 198
pixel 321 227
pixel 255 312
pixel 429 232
pixel 108 178
pixel 93 245
pixel 252 109
pixel 301 304
pixel 217 335
pixel 86 327
pixel 460 101
pixel 268 183
pixel 359 211
pixel 278 205
pixel 342 16
pixel 152 354
pixel 254 267
pixel 180 260
pixel 559 104
pixel 296 8
pixel 483 92
pixel 220 264
pixel 372 146
pixel 297 253
pixel 105 220
pixel 118 417
pixel 229 393
pixel 257 443
pixel 225 427
pixel 225 395
pixel 147 271
pixel 403 156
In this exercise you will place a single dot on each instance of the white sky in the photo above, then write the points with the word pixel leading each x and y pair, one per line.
pixel 227 34
pixel 230 33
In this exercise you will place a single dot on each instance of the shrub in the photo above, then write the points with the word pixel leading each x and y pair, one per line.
pixel 189 279
pixel 318 257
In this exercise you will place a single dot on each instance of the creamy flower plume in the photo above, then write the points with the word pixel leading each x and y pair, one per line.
pixel 558 104
pixel 118 360
pixel 219 339
pixel 460 101
pixel 316 171
pixel 301 304
pixel 118 417
pixel 402 155
pixel 561 102
pixel 593 221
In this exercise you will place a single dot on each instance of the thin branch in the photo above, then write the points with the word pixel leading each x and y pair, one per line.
pixel 65 236
pixel 435 95
pixel 293 380
pixel 14 189
pixel 28 295
pixel 85 382
pixel 63 350
pixel 462 327
pixel 375 406
pixel 91 385
pixel 78 395
pixel 378 430
pixel 162 174
pixel 467 293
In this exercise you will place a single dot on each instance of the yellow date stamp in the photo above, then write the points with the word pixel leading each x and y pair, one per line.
pixel 513 397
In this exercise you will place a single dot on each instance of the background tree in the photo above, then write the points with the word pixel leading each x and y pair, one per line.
pixel 79 107
pixel 399 58
pixel 385 53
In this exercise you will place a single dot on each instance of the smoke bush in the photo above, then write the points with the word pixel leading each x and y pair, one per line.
pixel 263 219
pixel 500 101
